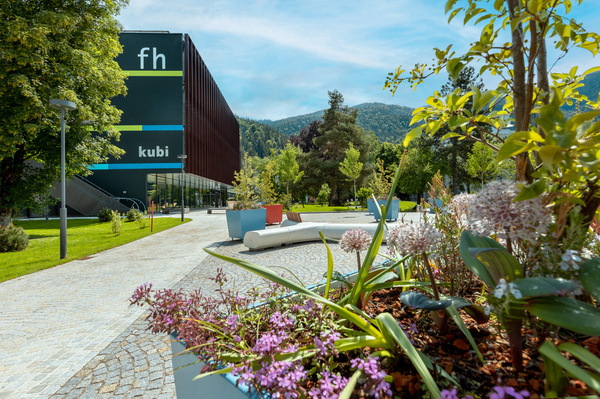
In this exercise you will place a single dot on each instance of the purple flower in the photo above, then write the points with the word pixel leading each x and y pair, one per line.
pixel 506 392
pixel 325 346
pixel 280 321
pixel 375 383
pixel 268 343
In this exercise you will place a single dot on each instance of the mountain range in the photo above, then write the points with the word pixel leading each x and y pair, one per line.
pixel 388 122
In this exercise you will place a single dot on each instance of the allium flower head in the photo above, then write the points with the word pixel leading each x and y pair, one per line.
pixel 493 211
pixel 458 206
pixel 413 239
pixel 355 240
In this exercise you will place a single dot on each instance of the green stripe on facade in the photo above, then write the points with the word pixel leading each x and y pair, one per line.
pixel 129 128
pixel 155 73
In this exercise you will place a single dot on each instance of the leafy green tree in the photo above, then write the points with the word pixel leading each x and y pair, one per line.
pixel 257 139
pixel 49 50
pixel 351 166
pixel 338 130
pixel 363 194
pixel 544 141
pixel 416 172
pixel 481 163
pixel 288 169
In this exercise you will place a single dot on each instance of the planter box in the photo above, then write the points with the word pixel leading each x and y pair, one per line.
pixel 274 213
pixel 371 206
pixel 220 386
pixel 392 213
pixel 240 222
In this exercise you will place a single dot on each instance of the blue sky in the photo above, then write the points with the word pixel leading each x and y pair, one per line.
pixel 276 59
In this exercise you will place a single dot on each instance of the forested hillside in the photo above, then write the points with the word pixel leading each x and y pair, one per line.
pixel 591 90
pixel 388 122
pixel 256 139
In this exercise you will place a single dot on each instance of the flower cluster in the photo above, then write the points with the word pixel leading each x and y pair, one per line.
pixel 355 240
pixel 570 260
pixel 281 378
pixel 413 239
pixel 325 345
pixel 494 212
pixel 376 383
pixel 328 386
pixel 504 289
pixel 508 392
pixel 459 205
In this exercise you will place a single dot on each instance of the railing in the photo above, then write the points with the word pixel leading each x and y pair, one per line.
pixel 139 204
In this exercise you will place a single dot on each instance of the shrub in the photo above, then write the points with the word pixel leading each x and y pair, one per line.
pixel 13 238
pixel 324 193
pixel 104 215
pixel 134 215
pixel 115 222
pixel 362 195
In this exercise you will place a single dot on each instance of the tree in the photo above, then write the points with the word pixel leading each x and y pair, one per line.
pixel 338 130
pixel 481 163
pixel 48 50
pixel 305 139
pixel 416 172
pixel 351 166
pixel 288 169
pixel 544 141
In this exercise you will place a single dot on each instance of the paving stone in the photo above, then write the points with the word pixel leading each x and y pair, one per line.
pixel 112 341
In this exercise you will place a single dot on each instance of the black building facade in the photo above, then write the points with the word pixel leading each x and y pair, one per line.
pixel 173 107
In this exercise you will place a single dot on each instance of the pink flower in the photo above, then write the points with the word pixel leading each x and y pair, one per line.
pixel 413 239
pixel 355 240
pixel 494 212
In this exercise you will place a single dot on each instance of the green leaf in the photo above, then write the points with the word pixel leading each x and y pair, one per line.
pixel 477 312
pixel 391 327
pixel 532 191
pixel 582 354
pixel 329 265
pixel 589 275
pixel 550 353
pixel 512 148
pixel 349 388
pixel 499 263
pixel 568 313
pixel 543 286
pixel 416 132
pixel 419 300
pixel 468 241
pixel 550 155
pixel 525 135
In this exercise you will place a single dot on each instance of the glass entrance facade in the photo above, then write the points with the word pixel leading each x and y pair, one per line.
pixel 164 189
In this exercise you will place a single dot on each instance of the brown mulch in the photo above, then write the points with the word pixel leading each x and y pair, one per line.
pixel 453 352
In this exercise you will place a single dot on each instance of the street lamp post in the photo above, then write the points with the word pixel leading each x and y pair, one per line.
pixel 63 105
pixel 182 157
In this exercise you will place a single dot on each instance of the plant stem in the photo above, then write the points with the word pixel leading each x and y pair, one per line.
pixel 438 316
pixel 358 259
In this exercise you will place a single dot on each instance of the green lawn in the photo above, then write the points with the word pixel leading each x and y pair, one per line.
pixel 84 237
pixel 404 206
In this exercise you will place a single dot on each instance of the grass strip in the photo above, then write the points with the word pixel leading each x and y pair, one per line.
pixel 84 237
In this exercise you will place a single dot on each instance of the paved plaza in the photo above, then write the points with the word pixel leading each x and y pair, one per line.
pixel 69 332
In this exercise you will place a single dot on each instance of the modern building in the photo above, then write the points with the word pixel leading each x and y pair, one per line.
pixel 173 107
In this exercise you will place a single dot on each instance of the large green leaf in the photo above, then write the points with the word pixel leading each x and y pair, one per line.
pixel 390 327
pixel 419 300
pixel 589 275
pixel 566 312
pixel 499 263
pixel 543 286
pixel 468 241
pixel 329 265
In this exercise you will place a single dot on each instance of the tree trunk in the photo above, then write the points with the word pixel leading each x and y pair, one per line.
pixel 519 89
pixel 5 216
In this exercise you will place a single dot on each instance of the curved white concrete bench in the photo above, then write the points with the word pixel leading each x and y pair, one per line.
pixel 290 233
